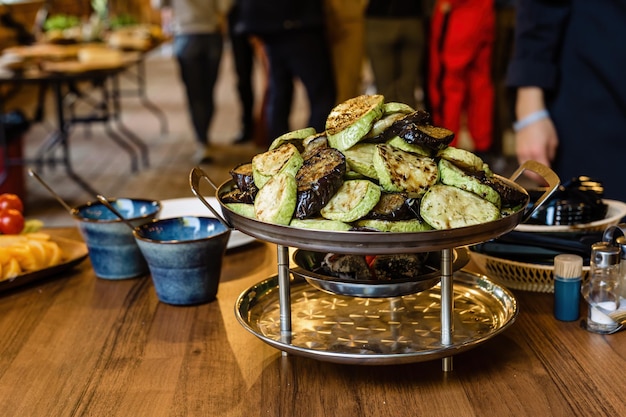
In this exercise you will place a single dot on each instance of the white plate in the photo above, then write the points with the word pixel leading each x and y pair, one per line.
pixel 192 206
pixel 614 214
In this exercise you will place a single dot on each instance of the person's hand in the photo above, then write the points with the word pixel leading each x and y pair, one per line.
pixel 537 142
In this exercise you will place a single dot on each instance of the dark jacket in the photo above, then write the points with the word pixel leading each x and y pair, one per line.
pixel 394 8
pixel 266 17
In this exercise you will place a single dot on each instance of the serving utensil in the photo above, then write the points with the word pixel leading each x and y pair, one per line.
pixel 115 211
pixel 67 207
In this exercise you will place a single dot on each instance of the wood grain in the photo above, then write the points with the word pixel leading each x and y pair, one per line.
pixel 79 345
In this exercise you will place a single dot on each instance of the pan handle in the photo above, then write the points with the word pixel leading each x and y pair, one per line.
pixel 547 174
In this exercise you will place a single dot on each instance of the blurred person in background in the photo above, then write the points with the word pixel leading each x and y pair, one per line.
pixel 345 26
pixel 243 57
pixel 395 44
pixel 460 85
pixel 293 34
pixel 198 27
pixel 571 90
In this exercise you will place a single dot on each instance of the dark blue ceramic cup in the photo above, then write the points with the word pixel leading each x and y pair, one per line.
pixel 185 256
pixel 113 251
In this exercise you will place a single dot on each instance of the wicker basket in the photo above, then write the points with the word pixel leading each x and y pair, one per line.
pixel 518 275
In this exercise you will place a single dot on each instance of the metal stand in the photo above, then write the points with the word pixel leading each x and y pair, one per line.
pixel 447 300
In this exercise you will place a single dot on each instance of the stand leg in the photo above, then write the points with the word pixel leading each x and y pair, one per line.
pixel 284 294
pixel 447 305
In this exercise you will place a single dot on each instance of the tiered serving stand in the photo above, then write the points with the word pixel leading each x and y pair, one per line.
pixel 345 329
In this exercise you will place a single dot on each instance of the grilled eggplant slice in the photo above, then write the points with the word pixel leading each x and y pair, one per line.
pixel 350 121
pixel 318 180
pixel 450 174
pixel 403 171
pixel 412 225
pixel 448 207
pixel 238 196
pixel 398 142
pixel 360 158
pixel 353 200
pixel 313 143
pixel 511 198
pixel 243 177
pixel 321 224
pixel 392 206
pixel 286 158
pixel 294 137
pixel 276 200
pixel 416 129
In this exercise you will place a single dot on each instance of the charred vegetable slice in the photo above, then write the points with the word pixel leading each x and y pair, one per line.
pixel 294 137
pixel 403 171
pixel 352 201
pixel 321 224
pixel 360 158
pixel 398 142
pixel 416 129
pixel 465 160
pixel 350 121
pixel 285 158
pixel 511 198
pixel 276 200
pixel 238 196
pixel 346 266
pixel 450 174
pixel 396 107
pixel 397 266
pixel 243 209
pixel 448 207
pixel 243 177
pixel 318 179
pixel 313 143
pixel 380 126
pixel 392 206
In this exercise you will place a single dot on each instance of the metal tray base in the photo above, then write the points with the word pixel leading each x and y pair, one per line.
pixel 378 331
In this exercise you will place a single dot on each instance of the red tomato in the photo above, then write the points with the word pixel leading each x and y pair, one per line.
pixel 11 221
pixel 370 259
pixel 11 201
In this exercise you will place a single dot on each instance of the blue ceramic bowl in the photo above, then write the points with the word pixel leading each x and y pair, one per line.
pixel 113 252
pixel 185 257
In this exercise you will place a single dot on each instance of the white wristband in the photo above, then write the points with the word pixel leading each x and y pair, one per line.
pixel 530 119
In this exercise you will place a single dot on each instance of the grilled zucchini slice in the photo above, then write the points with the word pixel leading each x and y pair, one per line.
pixel 465 160
pixel 318 180
pixel 286 158
pixel 398 142
pixel 276 200
pixel 349 122
pixel 450 174
pixel 360 158
pixel 352 201
pixel 447 207
pixel 396 107
pixel 243 209
pixel 321 224
pixel 412 225
pixel 294 137
pixel 403 171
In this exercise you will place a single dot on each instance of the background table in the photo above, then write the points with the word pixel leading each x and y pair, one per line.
pixel 79 345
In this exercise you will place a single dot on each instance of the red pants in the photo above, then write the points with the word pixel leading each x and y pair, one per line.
pixel 460 81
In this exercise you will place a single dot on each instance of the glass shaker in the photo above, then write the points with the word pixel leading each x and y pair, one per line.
pixel 602 291
pixel 621 241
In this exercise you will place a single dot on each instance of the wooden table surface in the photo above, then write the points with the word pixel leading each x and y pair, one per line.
pixel 79 345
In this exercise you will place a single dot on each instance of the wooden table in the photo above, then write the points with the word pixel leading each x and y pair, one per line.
pixel 79 345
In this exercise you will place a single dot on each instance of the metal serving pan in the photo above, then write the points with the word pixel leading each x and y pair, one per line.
pixel 377 331
pixel 359 242
pixel 308 265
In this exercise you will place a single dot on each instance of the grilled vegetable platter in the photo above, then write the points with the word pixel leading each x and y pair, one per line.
pixel 380 176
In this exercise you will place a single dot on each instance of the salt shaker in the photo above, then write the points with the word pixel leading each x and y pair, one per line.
pixel 568 271
pixel 602 291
